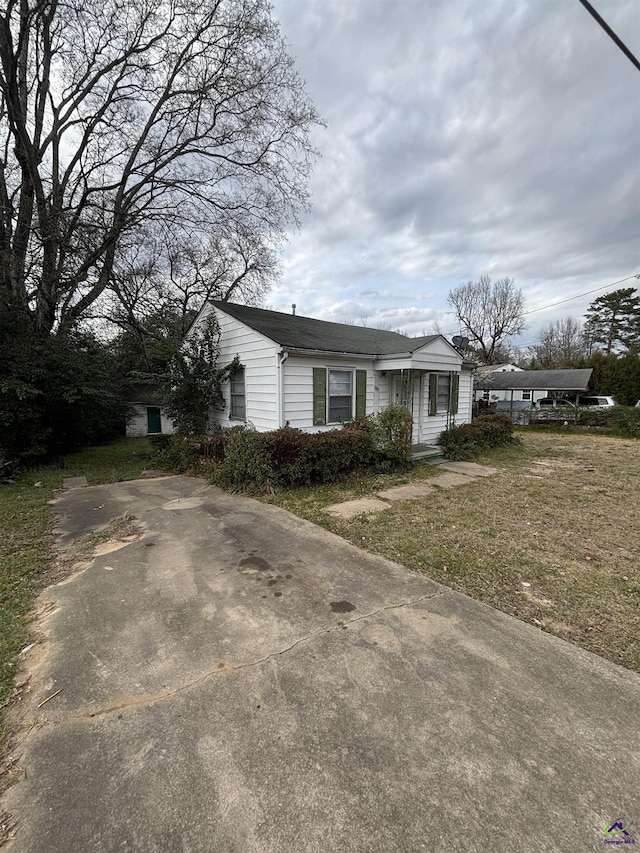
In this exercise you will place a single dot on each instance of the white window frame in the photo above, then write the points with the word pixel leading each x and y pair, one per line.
pixel 235 396
pixel 526 395
pixel 352 385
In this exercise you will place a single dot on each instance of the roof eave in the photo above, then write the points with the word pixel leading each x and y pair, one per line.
pixel 321 353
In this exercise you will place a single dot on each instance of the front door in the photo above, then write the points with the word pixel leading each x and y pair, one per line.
pixel 154 424
pixel 405 391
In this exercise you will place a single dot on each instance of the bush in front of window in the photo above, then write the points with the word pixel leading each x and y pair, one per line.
pixel 337 452
pixel 467 441
pixel 291 457
pixel 245 460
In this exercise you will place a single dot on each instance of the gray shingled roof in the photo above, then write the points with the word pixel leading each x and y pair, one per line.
pixel 297 332
pixel 537 380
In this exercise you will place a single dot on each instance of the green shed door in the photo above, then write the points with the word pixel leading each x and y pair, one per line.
pixel 154 425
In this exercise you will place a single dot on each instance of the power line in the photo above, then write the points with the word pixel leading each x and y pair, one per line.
pixel 605 26
pixel 580 295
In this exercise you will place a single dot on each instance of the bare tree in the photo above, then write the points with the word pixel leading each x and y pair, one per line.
pixel 560 345
pixel 490 313
pixel 121 114
pixel 162 271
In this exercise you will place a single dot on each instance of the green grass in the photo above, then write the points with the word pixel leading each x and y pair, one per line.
pixel 25 543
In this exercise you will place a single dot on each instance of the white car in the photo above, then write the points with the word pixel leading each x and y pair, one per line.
pixel 591 401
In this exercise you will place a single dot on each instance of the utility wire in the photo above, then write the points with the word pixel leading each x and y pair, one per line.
pixel 579 295
pixel 561 302
pixel 605 26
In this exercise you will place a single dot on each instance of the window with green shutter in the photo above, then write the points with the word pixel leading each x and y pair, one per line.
pixel 444 391
pixel 455 393
pixel 361 393
pixel 319 396
pixel 338 395
pixel 433 393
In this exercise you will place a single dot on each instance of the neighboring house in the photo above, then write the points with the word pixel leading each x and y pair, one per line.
pixel 146 416
pixel 314 375
pixel 495 395
pixel 512 386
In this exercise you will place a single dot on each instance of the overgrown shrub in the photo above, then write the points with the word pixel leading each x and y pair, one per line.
pixel 292 456
pixel 394 426
pixel 337 452
pixel 247 465
pixel 496 429
pixel 179 453
pixel 626 421
pixel 160 443
pixel 467 441
pixel 461 442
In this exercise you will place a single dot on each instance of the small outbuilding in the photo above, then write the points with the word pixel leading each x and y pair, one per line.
pixel 146 415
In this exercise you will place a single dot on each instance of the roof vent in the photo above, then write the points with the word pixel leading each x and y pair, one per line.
pixel 293 308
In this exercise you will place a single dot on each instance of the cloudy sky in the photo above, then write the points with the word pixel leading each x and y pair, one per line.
pixel 464 137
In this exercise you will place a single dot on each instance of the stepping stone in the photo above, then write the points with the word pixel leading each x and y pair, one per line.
pixel 74 482
pixel 409 492
pixel 471 469
pixel 349 509
pixel 450 479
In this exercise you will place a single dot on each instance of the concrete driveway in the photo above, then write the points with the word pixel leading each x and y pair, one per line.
pixel 237 679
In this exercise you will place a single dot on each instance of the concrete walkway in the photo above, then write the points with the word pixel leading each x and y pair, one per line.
pixel 450 474
pixel 238 680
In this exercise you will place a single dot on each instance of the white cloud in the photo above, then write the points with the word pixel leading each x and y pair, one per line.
pixel 463 137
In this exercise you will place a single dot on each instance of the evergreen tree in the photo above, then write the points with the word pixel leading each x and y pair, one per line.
pixel 613 320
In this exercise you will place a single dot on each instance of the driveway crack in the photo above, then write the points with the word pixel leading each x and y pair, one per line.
pixel 131 702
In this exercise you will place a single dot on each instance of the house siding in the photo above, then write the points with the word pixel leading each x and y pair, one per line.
pixel 259 357
pixel 298 388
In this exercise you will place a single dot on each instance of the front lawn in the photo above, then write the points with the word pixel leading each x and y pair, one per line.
pixel 553 538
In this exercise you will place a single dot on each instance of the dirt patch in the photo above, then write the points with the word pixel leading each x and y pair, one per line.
pixel 118 533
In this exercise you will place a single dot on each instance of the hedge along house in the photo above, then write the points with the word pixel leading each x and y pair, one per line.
pixel 314 375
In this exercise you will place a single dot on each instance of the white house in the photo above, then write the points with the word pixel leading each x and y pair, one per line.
pixel 314 375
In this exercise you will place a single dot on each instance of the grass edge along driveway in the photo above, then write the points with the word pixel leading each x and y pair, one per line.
pixel 26 541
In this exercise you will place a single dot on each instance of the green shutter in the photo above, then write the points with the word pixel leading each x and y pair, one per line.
pixel 454 393
pixel 361 393
pixel 433 393
pixel 319 396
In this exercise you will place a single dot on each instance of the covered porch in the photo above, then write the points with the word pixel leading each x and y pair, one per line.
pixel 432 397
